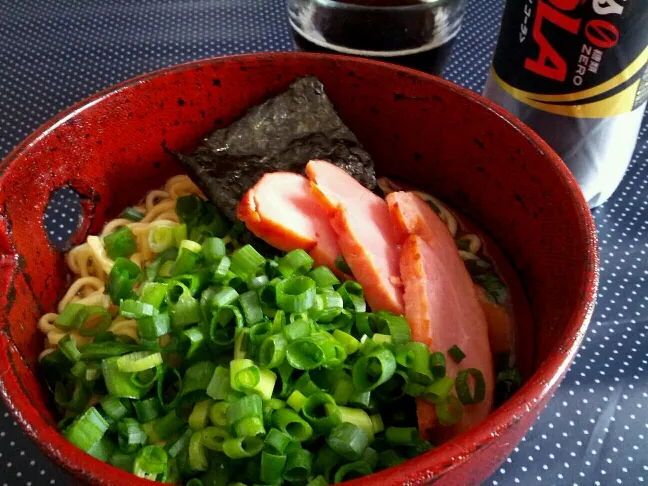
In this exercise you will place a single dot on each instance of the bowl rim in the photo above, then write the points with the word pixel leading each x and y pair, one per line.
pixel 447 456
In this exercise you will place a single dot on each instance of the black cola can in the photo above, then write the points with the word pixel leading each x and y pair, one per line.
pixel 576 71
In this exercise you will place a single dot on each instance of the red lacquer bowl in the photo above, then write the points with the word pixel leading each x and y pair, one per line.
pixel 441 137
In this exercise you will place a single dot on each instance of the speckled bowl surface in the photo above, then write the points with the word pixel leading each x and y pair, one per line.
pixel 432 133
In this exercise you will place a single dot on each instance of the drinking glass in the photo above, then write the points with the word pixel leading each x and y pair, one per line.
pixel 417 34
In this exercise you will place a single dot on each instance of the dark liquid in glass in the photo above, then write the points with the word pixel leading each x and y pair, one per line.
pixel 432 61
pixel 406 32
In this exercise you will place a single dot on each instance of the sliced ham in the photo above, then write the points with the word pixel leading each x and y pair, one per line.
pixel 365 233
pixel 282 210
pixel 441 304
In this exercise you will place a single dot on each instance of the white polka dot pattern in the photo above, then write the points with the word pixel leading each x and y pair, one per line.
pixel 55 53
pixel 62 217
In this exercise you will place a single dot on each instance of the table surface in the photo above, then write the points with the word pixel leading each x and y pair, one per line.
pixel 54 53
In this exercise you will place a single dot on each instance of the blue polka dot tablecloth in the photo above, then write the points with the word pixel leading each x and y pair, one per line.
pixel 594 431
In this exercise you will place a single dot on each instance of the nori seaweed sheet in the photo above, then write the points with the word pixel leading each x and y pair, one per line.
pixel 282 134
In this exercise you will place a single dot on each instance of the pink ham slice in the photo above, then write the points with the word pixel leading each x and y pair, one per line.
pixel 441 304
pixel 282 210
pixel 365 233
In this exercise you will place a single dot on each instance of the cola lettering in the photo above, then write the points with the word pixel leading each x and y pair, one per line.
pixel 550 64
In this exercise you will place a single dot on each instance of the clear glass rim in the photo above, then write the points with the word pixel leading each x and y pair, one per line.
pixel 426 5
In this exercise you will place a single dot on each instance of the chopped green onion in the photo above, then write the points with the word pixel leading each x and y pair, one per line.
pixel 358 417
pixel 343 389
pixel 197 378
pixel 120 243
pixel 251 306
pixel 161 237
pixel 130 435
pixel 360 398
pixel 153 293
pixel 246 261
pixel 189 255
pixel 146 410
pixel 134 309
pixel 292 424
pixel 272 467
pixel 97 351
pixel 72 396
pixel 349 343
pixel 318 481
pixel 121 461
pixel 92 320
pixel 169 394
pixel 342 265
pixel 374 369
pixel 352 296
pixel 197 454
pixel 449 411
pixel 312 352
pixel 220 269
pixel 298 465
pixel 114 407
pixel 249 427
pixel 377 424
pixel 196 341
pixel 456 354
pixel 179 234
pixel 321 411
pixel 218 414
pixel 241 343
pixel 325 461
pixel 241 447
pixel 278 439
pixel 67 345
pixel 138 361
pixel 258 282
pixel 402 436
pixel 348 440
pixel 297 329
pixel 438 365
pixel 418 363
pixel 199 415
pixel 153 327
pixel 352 470
pixel 168 425
pixel 121 280
pixel 189 208
pixel 260 331
pixel 439 390
pixel 296 261
pixel 296 294
pixel 132 214
pixel 296 400
pixel 86 430
pixel 463 387
pixel 213 249
pixel 272 351
pixel 244 407
pixel 389 458
pixel 102 449
pixel 219 386
pixel 150 462
pixel 120 383
pixel 213 438
pixel 323 277
pixel 381 338
pixel 68 318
